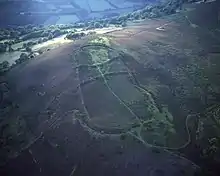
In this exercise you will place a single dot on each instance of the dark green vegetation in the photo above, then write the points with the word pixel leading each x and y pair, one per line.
pixel 3 47
pixel 22 33
pixel 74 36
pixel 23 57
pixel 31 31
pixel 24 38
pixel 4 66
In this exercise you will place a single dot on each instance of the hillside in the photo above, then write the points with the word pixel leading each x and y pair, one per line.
pixel 142 100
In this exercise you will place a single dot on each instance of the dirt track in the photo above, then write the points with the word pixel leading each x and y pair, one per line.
pixel 44 90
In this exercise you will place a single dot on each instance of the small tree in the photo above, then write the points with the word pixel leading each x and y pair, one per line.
pixel 40 40
pixel 23 57
pixel 82 34
pixel 97 25
pixel 73 35
pixel 30 43
pixel 123 24
pixel 3 47
pixel 4 66
pixel 137 16
pixel 10 49
pixel 45 34
pixel 57 33
pixel 24 45
pixel 28 49
pixel 50 36
pixel 105 24
pixel 44 39
pixel 114 20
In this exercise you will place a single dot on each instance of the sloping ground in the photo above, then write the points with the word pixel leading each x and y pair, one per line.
pixel 52 120
pixel 56 42
pixel 180 53
pixel 112 105
pixel 48 124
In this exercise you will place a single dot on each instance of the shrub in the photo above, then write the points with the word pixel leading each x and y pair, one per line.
pixel 45 34
pixel 114 20
pixel 104 24
pixel 147 9
pixel 73 35
pixel 14 34
pixel 97 25
pixel 137 15
pixel 4 66
pixel 24 45
pixel 30 43
pixel 82 34
pixel 79 25
pixel 50 36
pixel 28 49
pixel 34 34
pixel 17 40
pixel 6 43
pixel 44 39
pixel 3 47
pixel 91 33
pixel 57 33
pixel 10 49
pixel 23 57
pixel 122 18
pixel 40 40
pixel 124 24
